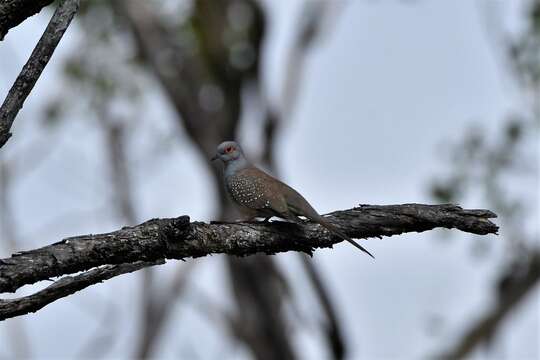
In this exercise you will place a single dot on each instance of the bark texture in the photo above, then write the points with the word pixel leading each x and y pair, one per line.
pixel 66 286
pixel 14 12
pixel 178 238
pixel 33 68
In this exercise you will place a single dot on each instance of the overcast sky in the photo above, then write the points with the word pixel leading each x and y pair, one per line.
pixel 391 85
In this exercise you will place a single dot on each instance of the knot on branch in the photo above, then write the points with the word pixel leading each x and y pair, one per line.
pixel 175 230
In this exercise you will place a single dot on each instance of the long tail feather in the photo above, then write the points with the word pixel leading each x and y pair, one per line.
pixel 334 230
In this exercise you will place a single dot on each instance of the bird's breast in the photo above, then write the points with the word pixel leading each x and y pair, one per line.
pixel 247 191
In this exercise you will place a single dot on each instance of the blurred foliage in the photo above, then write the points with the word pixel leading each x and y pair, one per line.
pixel 485 159
pixel 106 76
pixel 490 162
pixel 524 55
pixel 203 57
pixel 102 70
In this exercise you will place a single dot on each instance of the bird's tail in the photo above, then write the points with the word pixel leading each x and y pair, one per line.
pixel 338 232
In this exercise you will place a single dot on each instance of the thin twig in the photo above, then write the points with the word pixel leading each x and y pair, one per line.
pixel 332 327
pixel 161 307
pixel 34 66
pixel 67 286
pixel 514 285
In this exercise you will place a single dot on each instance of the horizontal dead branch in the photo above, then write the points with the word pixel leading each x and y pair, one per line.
pixel 178 238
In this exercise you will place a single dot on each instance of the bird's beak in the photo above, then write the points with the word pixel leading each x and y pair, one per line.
pixel 215 157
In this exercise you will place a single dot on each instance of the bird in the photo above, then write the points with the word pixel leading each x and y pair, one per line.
pixel 260 195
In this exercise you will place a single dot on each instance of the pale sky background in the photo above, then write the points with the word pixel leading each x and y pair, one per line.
pixel 389 88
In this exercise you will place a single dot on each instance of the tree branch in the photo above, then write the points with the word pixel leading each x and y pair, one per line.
pixel 179 238
pixel 14 12
pixel 66 286
pixel 514 284
pixel 34 66
pixel 332 327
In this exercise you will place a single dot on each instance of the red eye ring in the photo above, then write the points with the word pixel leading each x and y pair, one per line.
pixel 229 149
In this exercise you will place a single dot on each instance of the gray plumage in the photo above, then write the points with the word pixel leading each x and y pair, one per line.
pixel 261 195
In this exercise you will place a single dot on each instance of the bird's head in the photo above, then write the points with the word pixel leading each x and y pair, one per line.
pixel 228 151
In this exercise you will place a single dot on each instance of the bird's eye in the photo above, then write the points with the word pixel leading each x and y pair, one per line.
pixel 229 149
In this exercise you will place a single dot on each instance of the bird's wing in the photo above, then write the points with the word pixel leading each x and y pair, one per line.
pixel 267 194
pixel 298 205
pixel 286 202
